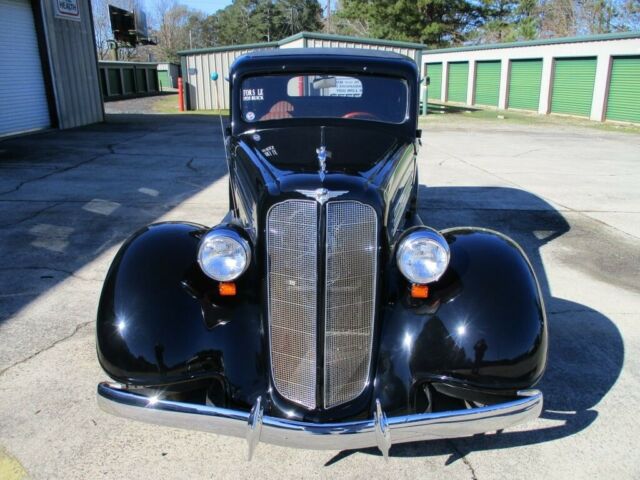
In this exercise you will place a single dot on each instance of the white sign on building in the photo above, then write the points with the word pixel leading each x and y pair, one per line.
pixel 67 9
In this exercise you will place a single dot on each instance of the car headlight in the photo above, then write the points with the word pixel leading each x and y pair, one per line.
pixel 223 254
pixel 423 256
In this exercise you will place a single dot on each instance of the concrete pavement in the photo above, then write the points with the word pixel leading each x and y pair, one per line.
pixel 68 199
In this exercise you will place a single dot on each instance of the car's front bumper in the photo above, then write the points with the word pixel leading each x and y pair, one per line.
pixel 381 431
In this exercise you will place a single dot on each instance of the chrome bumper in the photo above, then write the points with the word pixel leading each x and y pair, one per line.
pixel 379 431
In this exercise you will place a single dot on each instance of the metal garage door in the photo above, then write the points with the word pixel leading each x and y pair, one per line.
pixel 434 72
pixel 624 90
pixel 573 82
pixel 457 83
pixel 524 84
pixel 487 83
pixel 23 101
pixel 164 80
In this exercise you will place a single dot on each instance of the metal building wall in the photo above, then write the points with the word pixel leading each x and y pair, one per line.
pixel 412 53
pixel 203 93
pixel 74 66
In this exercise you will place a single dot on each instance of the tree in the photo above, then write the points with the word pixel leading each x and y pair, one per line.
pixel 248 21
pixel 434 22
pixel 498 20
pixel 171 19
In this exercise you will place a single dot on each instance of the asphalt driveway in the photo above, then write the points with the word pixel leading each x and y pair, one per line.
pixel 68 199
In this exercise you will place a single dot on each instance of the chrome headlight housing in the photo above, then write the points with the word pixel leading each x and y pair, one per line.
pixel 223 254
pixel 423 256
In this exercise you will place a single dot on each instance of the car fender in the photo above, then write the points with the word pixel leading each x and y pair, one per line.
pixel 161 320
pixel 483 326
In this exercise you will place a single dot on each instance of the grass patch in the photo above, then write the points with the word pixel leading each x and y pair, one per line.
pixel 169 104
pixel 447 113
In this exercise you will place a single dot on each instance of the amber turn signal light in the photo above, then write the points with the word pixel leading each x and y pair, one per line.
pixel 227 289
pixel 419 291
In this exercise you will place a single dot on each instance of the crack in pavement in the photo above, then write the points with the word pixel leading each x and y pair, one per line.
pixel 55 172
pixel 52 269
pixel 31 216
pixel 464 458
pixel 190 166
pixel 78 327
pixel 110 151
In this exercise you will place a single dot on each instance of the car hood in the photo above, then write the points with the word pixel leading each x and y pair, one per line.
pixel 350 150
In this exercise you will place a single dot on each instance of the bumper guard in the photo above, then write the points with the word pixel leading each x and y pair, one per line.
pixel 381 431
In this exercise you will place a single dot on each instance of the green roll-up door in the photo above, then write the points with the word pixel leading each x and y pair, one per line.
pixel 434 72
pixel 487 83
pixel 573 82
pixel 524 84
pixel 623 103
pixel 163 78
pixel 457 83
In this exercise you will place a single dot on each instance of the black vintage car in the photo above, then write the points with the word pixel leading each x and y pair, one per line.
pixel 322 312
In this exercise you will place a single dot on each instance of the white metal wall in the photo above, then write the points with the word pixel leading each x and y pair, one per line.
pixel 23 99
pixel 203 92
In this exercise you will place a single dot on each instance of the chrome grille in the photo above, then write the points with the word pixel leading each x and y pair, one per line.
pixel 351 272
pixel 292 282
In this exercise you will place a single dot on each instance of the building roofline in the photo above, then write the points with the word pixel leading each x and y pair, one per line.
pixel 127 62
pixel 345 38
pixel 532 43
pixel 226 48
pixel 313 35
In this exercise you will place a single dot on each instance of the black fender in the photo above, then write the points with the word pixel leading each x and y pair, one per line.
pixel 161 321
pixel 482 329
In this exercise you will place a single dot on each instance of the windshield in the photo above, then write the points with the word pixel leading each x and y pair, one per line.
pixel 277 97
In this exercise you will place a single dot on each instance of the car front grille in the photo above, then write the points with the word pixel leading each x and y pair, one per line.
pixel 292 228
pixel 347 295
pixel 351 258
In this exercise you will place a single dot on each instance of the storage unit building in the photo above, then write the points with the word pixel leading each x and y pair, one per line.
pixel 595 76
pixel 48 66
pixel 205 70
pixel 128 79
pixel 623 101
pixel 168 74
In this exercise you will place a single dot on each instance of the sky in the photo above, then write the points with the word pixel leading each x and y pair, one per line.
pixel 207 6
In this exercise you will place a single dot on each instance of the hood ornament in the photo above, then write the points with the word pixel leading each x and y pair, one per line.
pixel 322 194
pixel 323 154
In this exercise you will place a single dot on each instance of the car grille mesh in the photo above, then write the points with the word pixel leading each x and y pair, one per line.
pixel 292 273
pixel 351 257
pixel 349 301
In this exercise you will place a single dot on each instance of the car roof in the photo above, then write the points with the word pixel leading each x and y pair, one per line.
pixel 312 52
pixel 329 60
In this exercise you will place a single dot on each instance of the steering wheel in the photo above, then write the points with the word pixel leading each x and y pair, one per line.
pixel 361 115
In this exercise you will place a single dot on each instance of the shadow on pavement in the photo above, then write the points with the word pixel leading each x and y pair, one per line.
pixel 586 351
pixel 68 196
pixel 440 108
